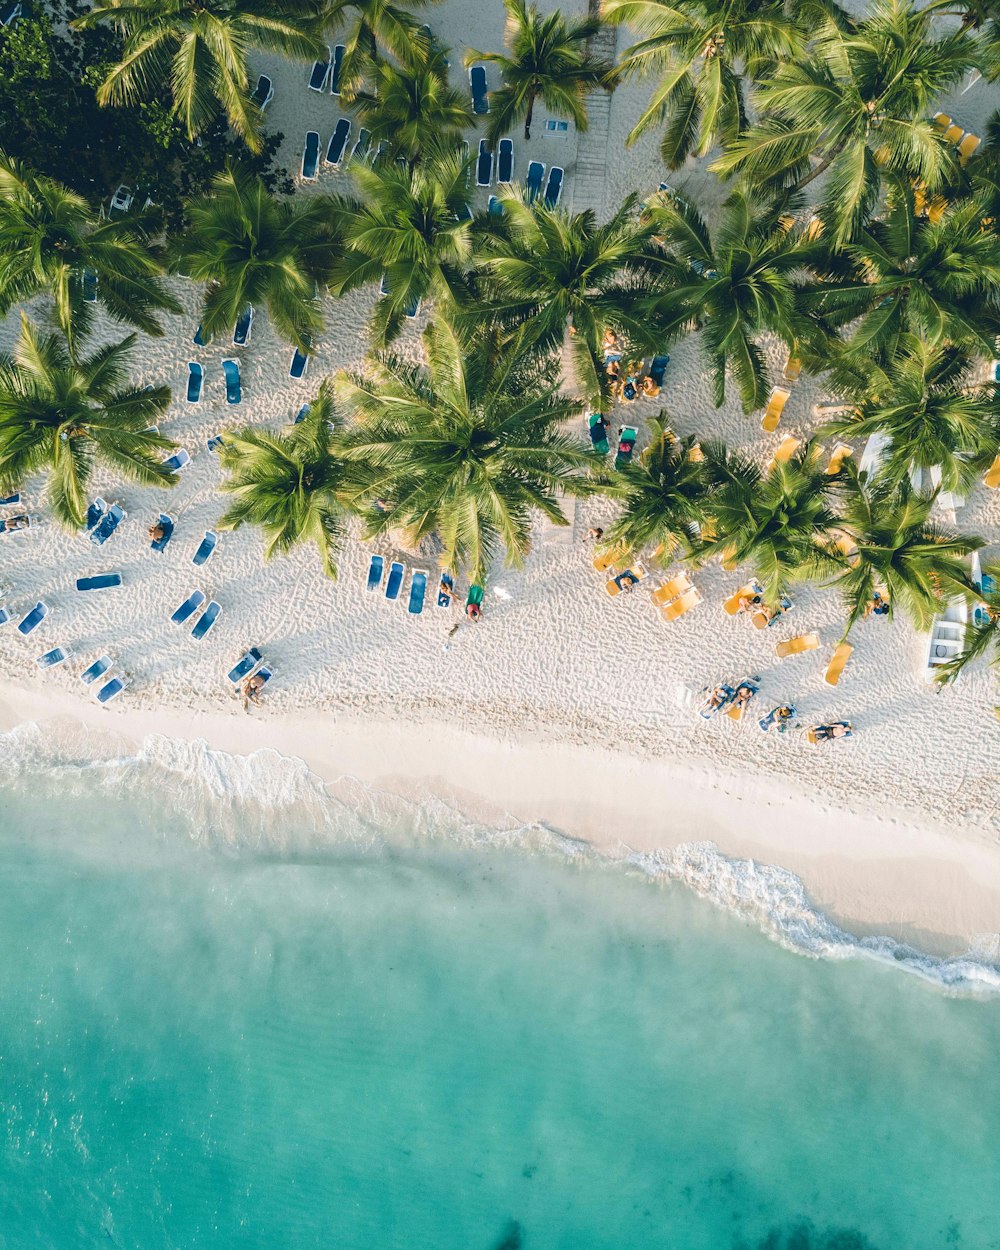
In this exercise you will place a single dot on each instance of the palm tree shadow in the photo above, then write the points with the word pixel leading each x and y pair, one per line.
pixel 512 1237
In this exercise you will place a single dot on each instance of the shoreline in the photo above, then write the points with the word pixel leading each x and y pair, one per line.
pixel 890 875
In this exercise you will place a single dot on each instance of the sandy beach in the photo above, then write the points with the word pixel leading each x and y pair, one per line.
pixel 563 706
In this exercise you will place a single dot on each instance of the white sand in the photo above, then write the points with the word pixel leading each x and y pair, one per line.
pixel 562 705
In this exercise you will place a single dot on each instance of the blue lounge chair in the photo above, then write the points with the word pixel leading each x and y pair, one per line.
pixel 33 619
pixel 196 380
pixel 167 525
pixel 97 669
pixel 360 149
pixel 338 61
pixel 418 588
pixel 745 691
pixel 10 13
pixel 111 690
pixel 265 674
pixel 658 368
pixel 199 339
pixel 376 154
pixel 375 570
pixel 107 525
pixel 4 616
pixel 245 666
pixel 94 513
pixel 708 709
pixel 505 161
pixel 51 658
pixel 553 188
pixel 206 548
pixel 234 392
pixel 299 365
pixel 187 609
pixel 479 89
pixel 446 590
pixel 310 155
pixel 774 719
pixel 89 286
pixel 302 413
pixel 484 165
pixel 338 142
pixel 494 206
pixel 11 499
pixel 320 73
pixel 533 181
pixel 100 581
pixel 244 327
pixel 215 442
pixel 395 580
pixel 206 621
pixel 263 93
pixel 178 461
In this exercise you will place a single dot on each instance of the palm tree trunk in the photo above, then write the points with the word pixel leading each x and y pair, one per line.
pixel 528 116
pixel 821 168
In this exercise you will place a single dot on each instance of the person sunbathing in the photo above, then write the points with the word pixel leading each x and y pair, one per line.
pixel 252 688
pixel 649 387
pixel 743 696
pixel 626 581
pixel 877 605
pixel 473 611
pixel 747 603
pixel 718 697
pixel 445 590
pixel 157 533
pixel 839 729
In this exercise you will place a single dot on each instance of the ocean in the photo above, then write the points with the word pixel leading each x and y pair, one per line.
pixel 238 1012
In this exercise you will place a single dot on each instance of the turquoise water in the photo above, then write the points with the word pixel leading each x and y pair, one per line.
pixel 221 1027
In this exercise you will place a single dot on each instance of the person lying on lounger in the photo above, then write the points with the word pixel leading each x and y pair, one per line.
pixel 20 522
pixel 743 696
pixel 445 591
pixel 719 696
pixel 877 605
pixel 839 729
pixel 157 533
pixel 626 581
pixel 649 387
pixel 749 602
pixel 779 719
pixel 473 611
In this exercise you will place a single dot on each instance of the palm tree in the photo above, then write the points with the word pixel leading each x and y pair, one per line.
pixel 933 417
pixel 981 636
pixel 413 109
pixel 49 238
pixel 292 485
pixel 253 248
pixel 469 446
pixel 62 414
pixel 663 495
pixel 858 104
pixel 702 53
pixel 779 520
pixel 899 549
pixel 734 285
pixel 197 51
pixel 552 272
pixel 549 61
pixel 369 26
pixel 412 230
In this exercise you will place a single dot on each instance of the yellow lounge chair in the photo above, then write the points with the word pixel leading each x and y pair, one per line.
pixel 811 736
pixel 796 646
pixel 671 589
pixel 936 211
pixel 732 604
pixel 814 229
pixel 637 570
pixel 792 369
pixel 837 661
pixel 837 458
pixel 785 452
pixel 775 406
pixel 992 478
pixel 953 134
pixel 942 121
pixel 688 600
pixel 604 561
pixel 967 147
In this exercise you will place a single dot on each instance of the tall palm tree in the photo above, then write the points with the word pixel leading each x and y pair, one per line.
pixel 734 285
pixel 292 485
pixel 197 51
pixel 778 520
pixel 413 109
pixel 664 496
pixel 548 61
pixel 859 103
pixel 931 413
pixel 982 636
pixel 702 53
pixel 551 271
pixel 49 238
pixel 469 446
pixel 61 415
pixel 900 550
pixel 251 247
pixel 412 230
pixel 368 28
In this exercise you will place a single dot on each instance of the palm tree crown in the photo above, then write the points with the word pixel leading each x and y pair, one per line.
pixel 413 109
pixel 63 415
pixel 369 26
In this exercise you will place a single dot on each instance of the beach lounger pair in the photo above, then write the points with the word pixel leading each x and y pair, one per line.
pixel 764 617
pixel 108 690
pixel 611 558
pixel 676 597
pixel 626 580
pixel 190 606
pixel 964 142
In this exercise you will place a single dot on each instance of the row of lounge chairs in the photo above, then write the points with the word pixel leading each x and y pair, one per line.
pixel 326 73
pixel 964 142
pixel 195 602
pixel 394 583
pixel 196 380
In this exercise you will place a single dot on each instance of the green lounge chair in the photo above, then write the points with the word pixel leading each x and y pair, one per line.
pixel 475 600
pixel 599 433
pixel 626 445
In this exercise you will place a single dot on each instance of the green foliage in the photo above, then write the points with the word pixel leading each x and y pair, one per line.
pixel 368 29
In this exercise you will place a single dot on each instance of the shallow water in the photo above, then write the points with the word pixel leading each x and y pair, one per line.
pixel 310 1037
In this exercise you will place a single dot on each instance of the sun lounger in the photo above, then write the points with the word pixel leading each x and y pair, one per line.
pixel 245 666
pixel 751 590
pixel 206 620
pixel 9 499
pixel 10 13
pixel 708 709
pixel 474 599
pixel 613 556
pixel 5 616
pixel 599 433
pixel 360 149
pixel 234 391
pixel 107 525
pixel 533 181
pixel 89 286
pixel 199 339
pixel 616 586
pixel 775 406
pixel 942 121
pixel 15 524
pixel 773 720
pixel 394 581
pixel 494 206
pixel 310 156
pixel 263 93
pixel 100 581
pixel 29 623
pixel 301 415
pixel 167 524
pixel 178 461
pixel 952 134
pixel 736 709
pixel 786 450
pixel 992 478
pixel 626 445
pixel 505 162
pixel 94 513
pixel 243 327
pixel 658 368
pixel 196 380
pixel 336 67
pixel 837 457
pixel 478 87
pixel 51 658
pixel 376 154
pixel 338 142
pixel 97 669
pixel 764 617
pixel 205 548
pixel 792 369
pixel 187 609
pixel 484 165
pixel 111 690
pixel 418 588
pixel 669 590
pixel 122 199
pixel 796 646
pixel 446 590
pixel 320 73
pixel 215 442
pixel 681 605
pixel 553 188
pixel 837 662
pixel 375 570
